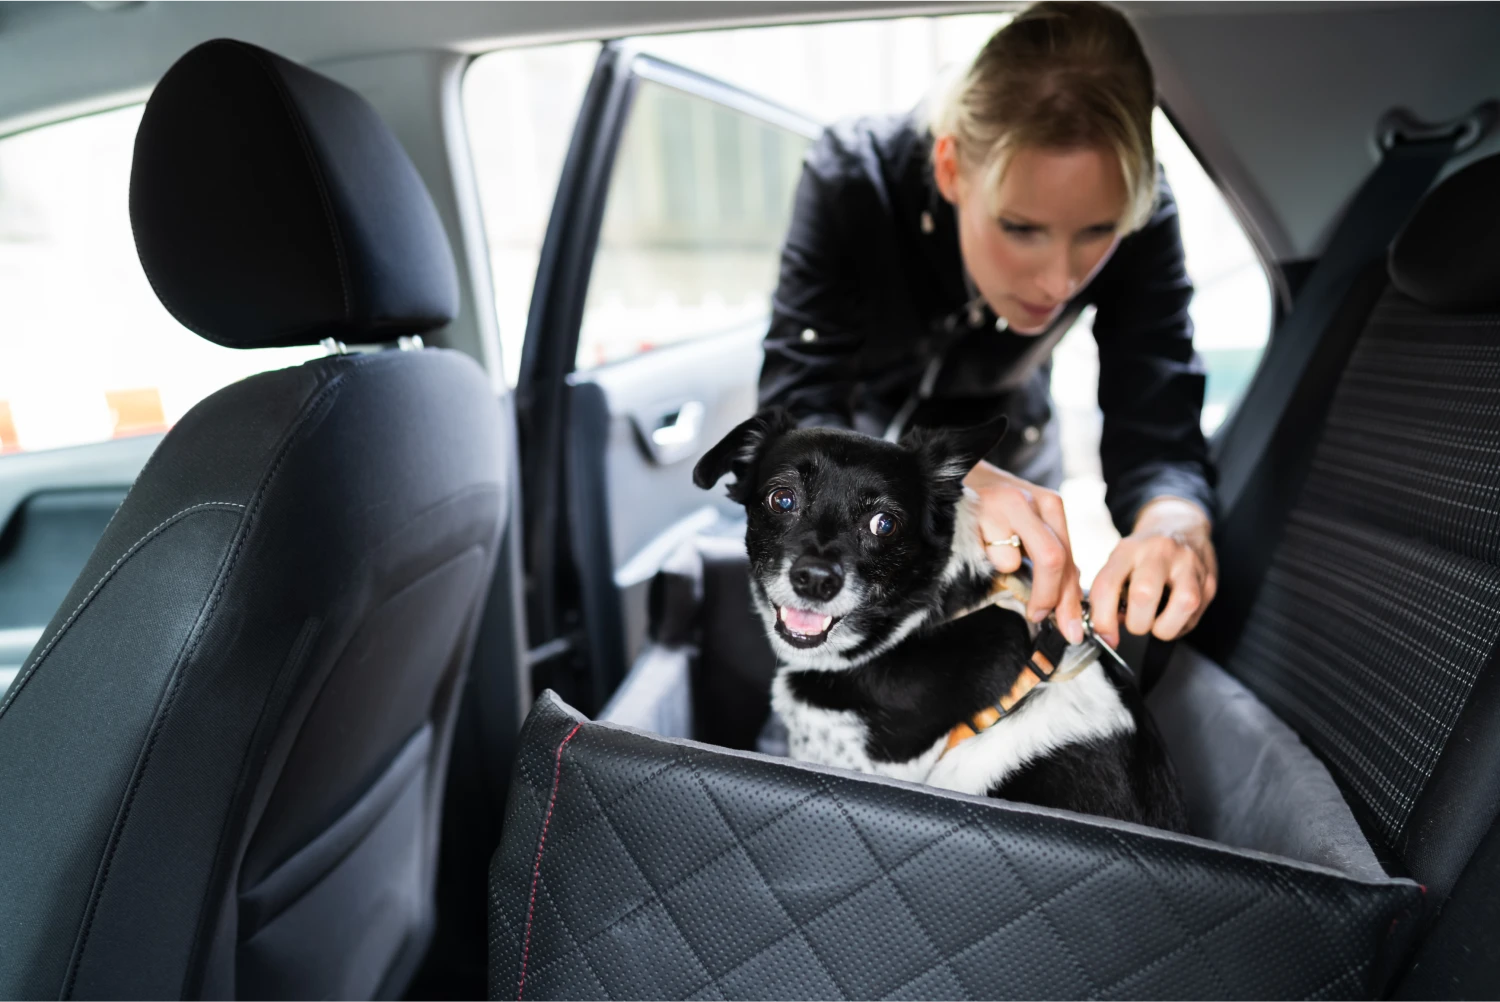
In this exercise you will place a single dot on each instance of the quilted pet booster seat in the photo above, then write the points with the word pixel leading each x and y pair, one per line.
pixel 654 854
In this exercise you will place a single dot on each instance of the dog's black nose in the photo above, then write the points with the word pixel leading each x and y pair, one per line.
pixel 817 578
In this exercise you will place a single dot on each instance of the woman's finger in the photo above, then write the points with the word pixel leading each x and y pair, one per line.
pixel 1143 596
pixel 1049 557
pixel 1070 607
pixel 1006 558
pixel 1186 603
pixel 1104 595
pixel 1069 610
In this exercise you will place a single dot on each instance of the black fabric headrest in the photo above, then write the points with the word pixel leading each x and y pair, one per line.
pixel 272 206
pixel 1448 256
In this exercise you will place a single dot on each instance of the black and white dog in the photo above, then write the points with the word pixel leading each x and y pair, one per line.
pixel 867 567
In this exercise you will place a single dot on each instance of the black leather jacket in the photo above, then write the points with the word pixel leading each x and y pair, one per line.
pixel 872 299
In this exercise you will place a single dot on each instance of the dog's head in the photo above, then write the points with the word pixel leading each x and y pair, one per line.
pixel 851 539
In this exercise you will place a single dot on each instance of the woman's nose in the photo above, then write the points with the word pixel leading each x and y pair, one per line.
pixel 1056 280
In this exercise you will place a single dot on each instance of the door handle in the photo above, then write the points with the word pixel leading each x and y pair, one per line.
pixel 676 433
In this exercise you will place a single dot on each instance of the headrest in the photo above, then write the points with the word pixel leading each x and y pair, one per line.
pixel 1448 256
pixel 272 206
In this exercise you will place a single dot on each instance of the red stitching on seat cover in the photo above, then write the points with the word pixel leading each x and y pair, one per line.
pixel 536 870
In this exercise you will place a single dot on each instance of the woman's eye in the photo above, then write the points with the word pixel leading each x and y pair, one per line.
pixel 782 500
pixel 1019 229
pixel 882 524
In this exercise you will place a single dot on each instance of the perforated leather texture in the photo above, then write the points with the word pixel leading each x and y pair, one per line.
pixel 638 867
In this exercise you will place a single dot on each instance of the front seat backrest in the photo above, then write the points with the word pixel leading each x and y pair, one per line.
pixel 1375 631
pixel 221 769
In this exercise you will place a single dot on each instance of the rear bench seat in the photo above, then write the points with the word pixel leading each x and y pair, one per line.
pixel 641 864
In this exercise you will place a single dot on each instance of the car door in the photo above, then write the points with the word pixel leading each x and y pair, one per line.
pixel 643 345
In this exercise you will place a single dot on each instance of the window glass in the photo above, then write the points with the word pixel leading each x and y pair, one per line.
pixel 649 285
pixel 696 213
pixel 87 352
pixel 829 71
pixel 520 106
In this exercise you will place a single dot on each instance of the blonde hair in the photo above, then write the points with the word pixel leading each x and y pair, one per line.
pixel 1061 75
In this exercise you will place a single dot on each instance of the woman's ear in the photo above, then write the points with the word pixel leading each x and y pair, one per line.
pixel 945 167
pixel 741 449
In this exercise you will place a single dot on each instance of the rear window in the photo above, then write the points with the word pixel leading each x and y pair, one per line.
pixel 87 352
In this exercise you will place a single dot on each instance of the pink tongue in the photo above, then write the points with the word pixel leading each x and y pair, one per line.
pixel 802 621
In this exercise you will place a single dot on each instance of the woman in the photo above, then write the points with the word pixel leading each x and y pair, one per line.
pixel 931 267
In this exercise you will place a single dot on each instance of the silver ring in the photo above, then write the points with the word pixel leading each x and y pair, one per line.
pixel 1014 540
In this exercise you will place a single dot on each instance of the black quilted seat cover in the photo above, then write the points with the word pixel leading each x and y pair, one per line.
pixel 641 867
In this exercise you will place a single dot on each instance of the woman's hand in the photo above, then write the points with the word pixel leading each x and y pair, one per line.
pixel 1010 506
pixel 1171 545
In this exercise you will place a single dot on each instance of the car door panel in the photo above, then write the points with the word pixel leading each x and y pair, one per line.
pixel 54 505
pixel 656 414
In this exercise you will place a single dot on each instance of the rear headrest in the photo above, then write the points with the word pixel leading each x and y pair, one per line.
pixel 272 206
pixel 1448 256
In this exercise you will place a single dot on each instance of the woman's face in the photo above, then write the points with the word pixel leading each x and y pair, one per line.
pixel 1054 222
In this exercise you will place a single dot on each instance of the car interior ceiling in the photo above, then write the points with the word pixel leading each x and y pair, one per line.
pixel 321 593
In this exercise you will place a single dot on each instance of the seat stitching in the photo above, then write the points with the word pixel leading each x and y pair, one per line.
pixel 1005 857
pixel 284 449
pixel 1142 968
pixel 751 834
pixel 536 869
pixel 900 896
pixel 588 964
pixel 1028 912
pixel 641 872
pixel 129 552
pixel 1190 938
pixel 771 892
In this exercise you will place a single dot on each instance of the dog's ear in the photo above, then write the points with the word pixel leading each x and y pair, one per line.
pixel 950 453
pixel 738 451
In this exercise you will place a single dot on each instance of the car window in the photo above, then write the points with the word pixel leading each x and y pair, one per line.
pixel 697 210
pixel 520 106
pixel 660 277
pixel 889 66
pixel 87 352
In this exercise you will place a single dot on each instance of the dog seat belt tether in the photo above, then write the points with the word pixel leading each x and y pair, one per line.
pixel 1052 658
pixel 1046 657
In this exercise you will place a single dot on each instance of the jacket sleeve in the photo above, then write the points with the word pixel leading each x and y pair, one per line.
pixel 814 337
pixel 1151 381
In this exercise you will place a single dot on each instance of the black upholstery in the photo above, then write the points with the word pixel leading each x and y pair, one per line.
pixel 271 206
pixel 639 867
pixel 1448 256
pixel 221 769
pixel 1380 613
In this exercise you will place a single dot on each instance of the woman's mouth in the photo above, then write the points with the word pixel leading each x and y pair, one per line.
pixel 1036 311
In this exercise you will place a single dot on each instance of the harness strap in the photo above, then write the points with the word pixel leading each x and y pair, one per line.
pixel 1046 655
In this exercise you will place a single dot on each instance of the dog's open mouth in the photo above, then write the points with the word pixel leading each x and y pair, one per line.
pixel 803 627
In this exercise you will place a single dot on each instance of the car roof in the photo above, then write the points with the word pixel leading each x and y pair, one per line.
pixel 1280 99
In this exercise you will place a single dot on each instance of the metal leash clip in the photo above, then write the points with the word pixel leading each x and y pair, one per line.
pixel 1114 664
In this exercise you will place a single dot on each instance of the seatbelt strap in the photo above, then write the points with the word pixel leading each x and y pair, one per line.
pixel 1373 218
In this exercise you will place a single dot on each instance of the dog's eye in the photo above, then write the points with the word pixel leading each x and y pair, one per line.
pixel 782 501
pixel 882 524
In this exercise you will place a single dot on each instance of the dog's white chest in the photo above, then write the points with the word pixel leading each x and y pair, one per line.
pixel 1086 708
pixel 838 738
